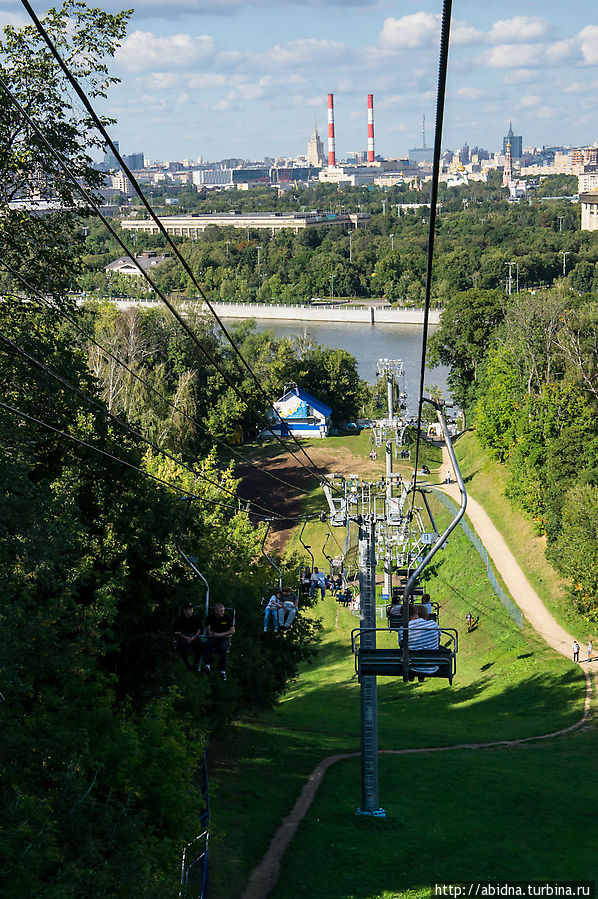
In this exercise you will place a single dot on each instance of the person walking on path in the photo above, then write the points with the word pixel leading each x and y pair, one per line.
pixel 590 650
pixel 575 651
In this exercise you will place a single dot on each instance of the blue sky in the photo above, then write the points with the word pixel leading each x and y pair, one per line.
pixel 232 78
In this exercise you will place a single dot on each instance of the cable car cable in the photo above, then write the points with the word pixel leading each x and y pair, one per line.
pixel 440 97
pixel 93 205
pixel 24 415
pixel 108 140
pixel 126 426
pixel 146 384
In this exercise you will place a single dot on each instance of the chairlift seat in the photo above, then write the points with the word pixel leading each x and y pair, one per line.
pixel 389 662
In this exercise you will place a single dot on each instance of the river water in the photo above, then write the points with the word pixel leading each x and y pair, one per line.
pixel 368 343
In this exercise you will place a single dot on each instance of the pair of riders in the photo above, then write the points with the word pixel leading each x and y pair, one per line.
pixel 282 608
pixel 191 640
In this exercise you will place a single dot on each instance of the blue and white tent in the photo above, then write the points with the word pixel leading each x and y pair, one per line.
pixel 303 415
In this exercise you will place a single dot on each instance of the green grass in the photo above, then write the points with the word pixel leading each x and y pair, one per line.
pixel 509 685
pixel 486 481
pixel 520 814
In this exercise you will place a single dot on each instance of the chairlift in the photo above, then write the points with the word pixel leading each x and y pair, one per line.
pixel 401 660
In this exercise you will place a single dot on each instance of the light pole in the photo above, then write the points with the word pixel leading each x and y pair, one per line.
pixel 392 242
pixel 350 246
pixel 332 285
pixel 510 280
pixel 564 261
pixel 227 246
pixel 258 261
pixel 560 218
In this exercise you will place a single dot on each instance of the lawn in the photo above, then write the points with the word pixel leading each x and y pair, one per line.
pixel 509 685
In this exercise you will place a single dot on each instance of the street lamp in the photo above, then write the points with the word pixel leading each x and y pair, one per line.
pixel 332 285
pixel 350 246
pixel 258 260
pixel 227 246
pixel 564 261
pixel 392 242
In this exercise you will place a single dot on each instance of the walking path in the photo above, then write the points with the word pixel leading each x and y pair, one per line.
pixel 263 878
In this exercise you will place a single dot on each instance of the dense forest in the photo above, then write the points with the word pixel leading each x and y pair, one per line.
pixel 525 367
pixel 479 234
pixel 103 727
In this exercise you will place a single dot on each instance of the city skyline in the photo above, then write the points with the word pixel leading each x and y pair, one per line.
pixel 232 78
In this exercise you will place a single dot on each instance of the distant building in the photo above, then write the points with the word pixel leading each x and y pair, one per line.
pixel 193 225
pixel 315 150
pixel 135 160
pixel 516 142
pixel 589 210
pixel 303 415
pixel 124 265
pixel 121 183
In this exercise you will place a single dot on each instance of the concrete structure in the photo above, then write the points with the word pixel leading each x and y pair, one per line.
pixel 364 315
pixel 303 415
pixel 347 175
pixel 121 183
pixel 588 180
pixel 589 211
pixel 194 225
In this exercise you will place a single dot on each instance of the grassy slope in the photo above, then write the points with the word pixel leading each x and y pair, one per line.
pixel 486 481
pixel 508 685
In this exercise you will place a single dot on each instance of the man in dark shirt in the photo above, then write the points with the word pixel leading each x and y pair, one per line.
pixel 219 629
pixel 188 630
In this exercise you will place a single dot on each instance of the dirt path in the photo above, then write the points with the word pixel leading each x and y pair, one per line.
pixel 264 877
pixel 518 585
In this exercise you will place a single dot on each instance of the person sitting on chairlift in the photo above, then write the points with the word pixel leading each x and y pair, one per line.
pixel 188 629
pixel 271 611
pixel 423 634
pixel 288 607
pixel 219 630
pixel 317 582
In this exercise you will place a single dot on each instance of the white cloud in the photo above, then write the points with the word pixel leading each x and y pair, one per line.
pixel 589 44
pixel 143 51
pixel 304 52
pixel 529 100
pixel 519 29
pixel 468 93
pixel 516 56
pixel 420 29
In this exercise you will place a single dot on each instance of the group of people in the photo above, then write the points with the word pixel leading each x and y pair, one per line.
pixel 281 609
pixel 312 581
pixel 575 649
pixel 197 639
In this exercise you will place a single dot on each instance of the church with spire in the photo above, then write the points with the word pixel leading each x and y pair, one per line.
pixel 516 142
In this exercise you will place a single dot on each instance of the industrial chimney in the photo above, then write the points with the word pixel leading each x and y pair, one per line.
pixel 371 155
pixel 331 147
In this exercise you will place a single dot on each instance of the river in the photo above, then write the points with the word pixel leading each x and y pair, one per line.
pixel 368 343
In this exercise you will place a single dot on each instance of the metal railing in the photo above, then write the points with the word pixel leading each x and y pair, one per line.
pixel 513 610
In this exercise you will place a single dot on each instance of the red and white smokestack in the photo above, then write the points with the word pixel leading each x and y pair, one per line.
pixel 371 154
pixel 331 147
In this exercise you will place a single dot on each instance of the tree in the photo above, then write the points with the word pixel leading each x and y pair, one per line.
pixel 468 321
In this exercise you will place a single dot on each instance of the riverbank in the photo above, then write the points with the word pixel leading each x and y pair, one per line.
pixel 370 315
pixel 386 315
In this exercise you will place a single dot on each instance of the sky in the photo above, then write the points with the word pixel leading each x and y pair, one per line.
pixel 228 78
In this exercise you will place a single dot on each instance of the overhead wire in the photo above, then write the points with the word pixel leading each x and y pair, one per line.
pixel 96 449
pixel 93 205
pixel 186 267
pixel 257 507
pixel 440 98
pixel 63 312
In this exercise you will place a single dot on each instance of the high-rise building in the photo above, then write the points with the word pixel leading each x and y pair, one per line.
pixel 315 149
pixel 516 142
